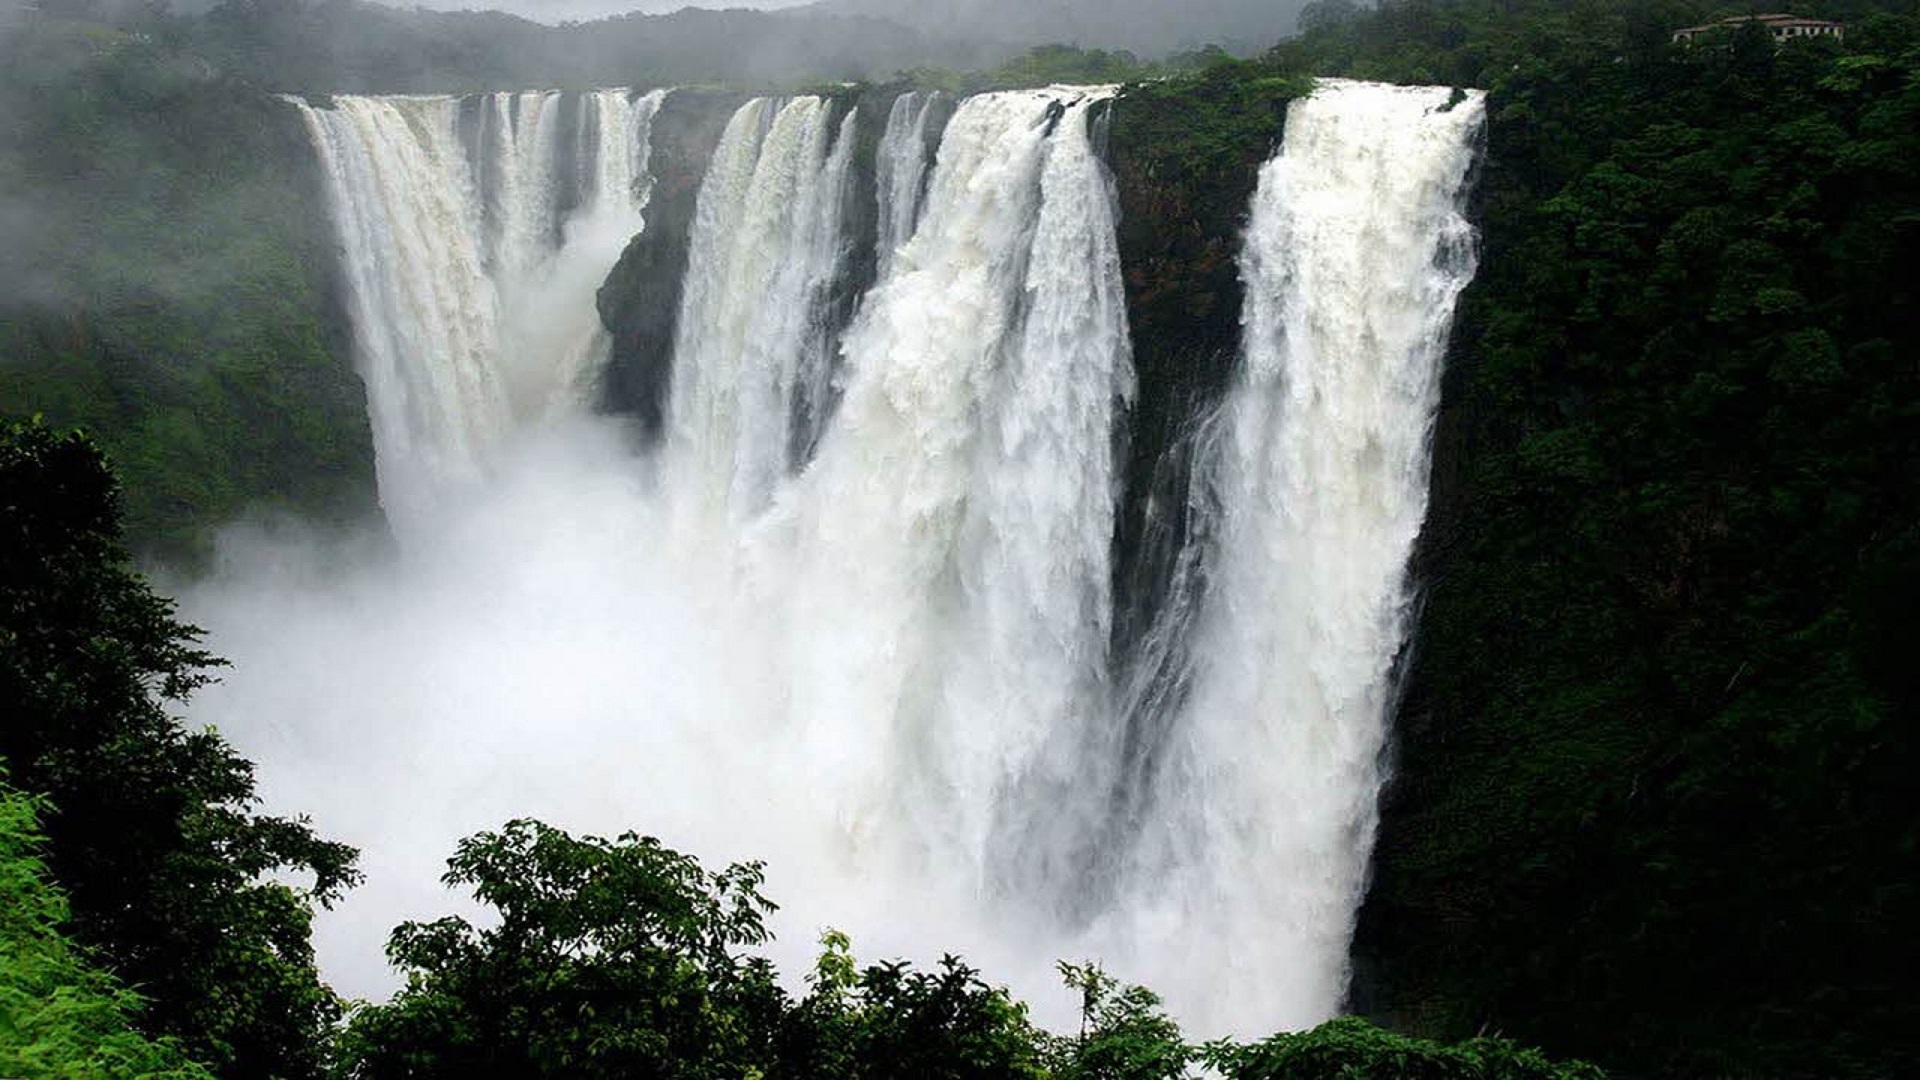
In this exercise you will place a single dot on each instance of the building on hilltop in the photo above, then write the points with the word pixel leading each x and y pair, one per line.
pixel 1782 27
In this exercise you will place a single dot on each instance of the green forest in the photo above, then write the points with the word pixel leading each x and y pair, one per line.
pixel 1649 805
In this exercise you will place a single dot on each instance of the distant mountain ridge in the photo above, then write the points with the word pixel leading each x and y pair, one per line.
pixel 1147 27
pixel 391 46
pixel 350 46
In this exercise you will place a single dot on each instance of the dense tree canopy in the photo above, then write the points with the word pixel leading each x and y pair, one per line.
pixel 611 958
pixel 1651 804
pixel 618 958
pixel 622 958
pixel 150 825
pixel 166 280
pixel 61 1018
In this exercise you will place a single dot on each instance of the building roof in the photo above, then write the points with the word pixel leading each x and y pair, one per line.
pixel 1776 21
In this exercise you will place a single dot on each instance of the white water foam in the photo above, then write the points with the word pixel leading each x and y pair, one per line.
pixel 881 662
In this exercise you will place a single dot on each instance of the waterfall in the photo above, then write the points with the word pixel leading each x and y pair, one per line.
pixel 900 170
pixel 520 181
pixel 471 300
pixel 558 344
pixel 751 354
pixel 854 613
pixel 1029 654
pixel 614 148
pixel 404 204
pixel 1263 827
pixel 951 581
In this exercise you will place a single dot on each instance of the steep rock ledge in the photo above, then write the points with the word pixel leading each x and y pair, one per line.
pixel 640 301
pixel 1185 155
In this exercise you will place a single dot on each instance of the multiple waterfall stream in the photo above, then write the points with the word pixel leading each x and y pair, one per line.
pixel 852 613
pixel 471 291
pixel 752 356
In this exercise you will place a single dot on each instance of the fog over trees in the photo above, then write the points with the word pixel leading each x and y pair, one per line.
pixel 1143 26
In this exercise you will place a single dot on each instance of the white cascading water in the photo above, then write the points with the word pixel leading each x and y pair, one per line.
pixel 555 340
pixel 751 363
pixel 1025 683
pixel 472 305
pixel 1265 809
pixel 519 142
pixel 614 147
pixel 853 614
pixel 425 314
pixel 949 597
pixel 900 172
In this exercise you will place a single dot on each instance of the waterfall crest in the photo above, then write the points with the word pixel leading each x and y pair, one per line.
pixel 520 181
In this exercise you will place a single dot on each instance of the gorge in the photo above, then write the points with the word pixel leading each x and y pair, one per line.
pixel 1299 544
pixel 852 607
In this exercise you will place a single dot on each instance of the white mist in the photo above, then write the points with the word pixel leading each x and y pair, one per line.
pixel 852 616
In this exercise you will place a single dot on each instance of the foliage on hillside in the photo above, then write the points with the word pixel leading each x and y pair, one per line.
pixel 1653 800
pixel 621 958
pixel 347 46
pixel 1350 1047
pixel 60 1018
pixel 1068 65
pixel 164 280
pixel 151 831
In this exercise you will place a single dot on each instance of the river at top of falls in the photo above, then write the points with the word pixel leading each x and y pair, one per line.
pixel 852 614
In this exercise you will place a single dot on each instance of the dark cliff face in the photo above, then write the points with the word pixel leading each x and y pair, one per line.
pixel 640 301
pixel 1185 160
pixel 1179 239
pixel 1185 157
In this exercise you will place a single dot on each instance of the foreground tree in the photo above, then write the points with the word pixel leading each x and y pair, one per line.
pixel 889 1020
pixel 1351 1047
pixel 1124 1033
pixel 624 958
pixel 61 1018
pixel 612 958
pixel 151 828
